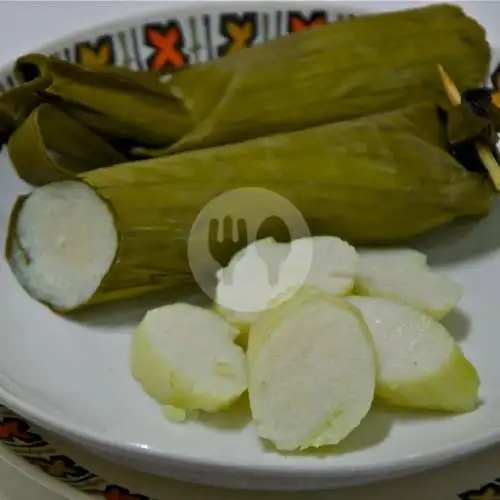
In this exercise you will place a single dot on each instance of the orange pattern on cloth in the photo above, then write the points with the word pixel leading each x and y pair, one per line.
pixel 98 53
pixel 298 22
pixel 167 42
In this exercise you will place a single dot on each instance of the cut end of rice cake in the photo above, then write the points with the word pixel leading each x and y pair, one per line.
pixel 184 356
pixel 257 274
pixel 266 273
pixel 311 372
pixel 453 388
pixel 419 363
pixel 240 323
pixel 408 343
pixel 334 266
pixel 405 277
pixel 62 243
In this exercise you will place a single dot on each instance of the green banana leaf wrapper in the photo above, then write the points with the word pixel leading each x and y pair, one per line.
pixel 330 73
pixel 16 106
pixel 40 156
pixel 114 101
pixel 379 179
pixel 53 132
pixel 483 103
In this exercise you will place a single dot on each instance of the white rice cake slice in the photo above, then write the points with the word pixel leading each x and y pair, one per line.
pixel 184 357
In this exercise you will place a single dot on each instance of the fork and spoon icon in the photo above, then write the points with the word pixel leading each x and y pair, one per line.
pixel 228 236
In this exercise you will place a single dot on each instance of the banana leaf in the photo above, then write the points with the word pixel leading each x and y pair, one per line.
pixel 484 105
pixel 114 101
pixel 16 106
pixel 378 179
pixel 330 73
pixel 335 72
pixel 472 126
pixel 51 146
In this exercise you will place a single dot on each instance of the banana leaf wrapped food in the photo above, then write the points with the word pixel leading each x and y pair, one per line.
pixel 16 106
pixel 54 133
pixel 114 101
pixel 123 231
pixel 334 72
pixel 40 156
pixel 484 102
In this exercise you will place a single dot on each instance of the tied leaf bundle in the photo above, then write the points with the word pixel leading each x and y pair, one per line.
pixel 331 73
pixel 41 156
pixel 66 118
pixel 116 102
pixel 334 72
pixel 472 130
pixel 122 231
pixel 480 108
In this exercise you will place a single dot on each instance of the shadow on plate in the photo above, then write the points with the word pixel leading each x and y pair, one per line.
pixel 462 240
pixel 235 418
pixel 458 324
pixel 130 312
pixel 375 428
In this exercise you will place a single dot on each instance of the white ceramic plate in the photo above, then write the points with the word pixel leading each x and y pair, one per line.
pixel 55 470
pixel 72 376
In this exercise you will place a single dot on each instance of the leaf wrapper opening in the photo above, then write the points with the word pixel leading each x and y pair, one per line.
pixel 113 101
pixel 51 146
